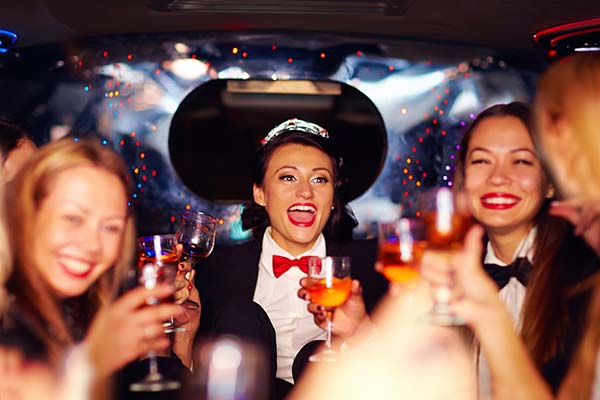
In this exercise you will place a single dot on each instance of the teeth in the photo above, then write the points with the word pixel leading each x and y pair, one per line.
pixel 303 208
pixel 500 200
pixel 76 266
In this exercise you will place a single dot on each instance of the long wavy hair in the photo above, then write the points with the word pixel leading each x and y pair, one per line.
pixel 341 220
pixel 558 261
pixel 569 91
pixel 31 294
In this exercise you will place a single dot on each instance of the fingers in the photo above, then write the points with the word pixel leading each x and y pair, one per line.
pixel 436 267
pixel 379 267
pixel 138 297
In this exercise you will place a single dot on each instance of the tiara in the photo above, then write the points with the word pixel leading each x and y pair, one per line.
pixel 295 124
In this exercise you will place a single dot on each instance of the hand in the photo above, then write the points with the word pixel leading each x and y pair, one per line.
pixel 585 217
pixel 140 329
pixel 347 318
pixel 189 320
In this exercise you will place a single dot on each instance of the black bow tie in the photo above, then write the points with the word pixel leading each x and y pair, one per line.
pixel 520 269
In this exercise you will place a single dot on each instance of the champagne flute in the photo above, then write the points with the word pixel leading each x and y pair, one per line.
pixel 154 381
pixel 329 284
pixel 401 244
pixel 446 223
pixel 160 250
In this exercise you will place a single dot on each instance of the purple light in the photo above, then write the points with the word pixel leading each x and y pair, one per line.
pixel 462 123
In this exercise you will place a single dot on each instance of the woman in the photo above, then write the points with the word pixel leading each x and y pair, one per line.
pixel 529 252
pixel 72 238
pixel 297 210
pixel 567 116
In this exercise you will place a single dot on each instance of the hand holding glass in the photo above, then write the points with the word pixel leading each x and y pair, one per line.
pixel 446 223
pixel 154 381
pixel 329 284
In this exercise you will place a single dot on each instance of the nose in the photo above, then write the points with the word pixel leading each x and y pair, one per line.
pixel 305 190
pixel 500 175
pixel 92 241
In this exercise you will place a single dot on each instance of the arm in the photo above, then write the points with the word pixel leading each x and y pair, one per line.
pixel 475 299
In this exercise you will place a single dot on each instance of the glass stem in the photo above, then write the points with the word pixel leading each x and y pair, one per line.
pixel 153 364
pixel 329 329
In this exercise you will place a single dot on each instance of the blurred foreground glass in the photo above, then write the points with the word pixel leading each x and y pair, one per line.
pixel 401 244
pixel 447 220
pixel 154 381
pixel 229 368
pixel 329 284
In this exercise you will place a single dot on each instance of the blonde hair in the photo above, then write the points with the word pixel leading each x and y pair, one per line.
pixel 570 91
pixel 31 186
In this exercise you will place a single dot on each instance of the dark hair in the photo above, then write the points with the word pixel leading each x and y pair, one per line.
pixel 558 262
pixel 341 221
pixel 516 109
pixel 11 136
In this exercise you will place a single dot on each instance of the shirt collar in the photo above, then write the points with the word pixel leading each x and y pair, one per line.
pixel 524 249
pixel 270 249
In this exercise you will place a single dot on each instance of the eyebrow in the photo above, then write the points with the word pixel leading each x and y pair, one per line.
pixel 512 151
pixel 296 169
pixel 87 210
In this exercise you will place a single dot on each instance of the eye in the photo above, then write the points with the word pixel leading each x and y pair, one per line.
pixel 522 161
pixel 287 178
pixel 479 161
pixel 320 179
pixel 73 219
pixel 113 228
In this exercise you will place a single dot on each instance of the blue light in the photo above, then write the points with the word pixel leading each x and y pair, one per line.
pixel 104 142
pixel 8 39
pixel 76 139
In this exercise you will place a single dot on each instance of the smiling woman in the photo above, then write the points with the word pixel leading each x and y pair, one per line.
pixel 72 236
pixel 509 195
pixel 297 211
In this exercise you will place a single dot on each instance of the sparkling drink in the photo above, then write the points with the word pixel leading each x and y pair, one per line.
pixel 446 231
pixel 400 262
pixel 330 293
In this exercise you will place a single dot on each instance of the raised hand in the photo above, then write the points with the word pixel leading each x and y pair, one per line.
pixel 139 329
pixel 585 217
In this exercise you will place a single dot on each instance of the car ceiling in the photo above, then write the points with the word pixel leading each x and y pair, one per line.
pixel 501 24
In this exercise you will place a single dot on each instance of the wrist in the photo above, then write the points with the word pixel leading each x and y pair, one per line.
pixel 363 331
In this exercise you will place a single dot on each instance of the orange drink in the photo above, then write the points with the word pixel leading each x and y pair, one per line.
pixel 401 245
pixel 330 293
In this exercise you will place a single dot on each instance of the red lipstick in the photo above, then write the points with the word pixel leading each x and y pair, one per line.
pixel 302 215
pixel 499 201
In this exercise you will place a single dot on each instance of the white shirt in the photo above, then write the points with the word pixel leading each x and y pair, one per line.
pixel 294 325
pixel 513 296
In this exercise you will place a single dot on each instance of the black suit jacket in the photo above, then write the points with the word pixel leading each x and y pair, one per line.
pixel 230 274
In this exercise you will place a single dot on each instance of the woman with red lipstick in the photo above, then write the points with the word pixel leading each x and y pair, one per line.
pixel 73 238
pixel 298 210
pixel 533 257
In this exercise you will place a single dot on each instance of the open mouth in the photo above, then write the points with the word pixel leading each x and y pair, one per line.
pixel 76 268
pixel 302 215
pixel 499 201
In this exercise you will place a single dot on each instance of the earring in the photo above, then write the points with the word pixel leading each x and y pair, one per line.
pixel 550 192
pixel 332 207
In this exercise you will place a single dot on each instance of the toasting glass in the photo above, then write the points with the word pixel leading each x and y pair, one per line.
pixel 329 284
pixel 154 381
pixel 401 244
pixel 160 250
pixel 447 221
pixel 196 233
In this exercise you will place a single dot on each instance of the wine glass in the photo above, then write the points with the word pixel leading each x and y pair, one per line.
pixel 196 232
pixel 329 284
pixel 229 368
pixel 401 244
pixel 447 221
pixel 150 275
pixel 160 250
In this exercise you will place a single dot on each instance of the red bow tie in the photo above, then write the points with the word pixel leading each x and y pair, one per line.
pixel 282 264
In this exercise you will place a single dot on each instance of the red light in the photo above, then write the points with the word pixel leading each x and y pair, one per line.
pixel 244 54
pixel 273 47
pixel 290 60
pixel 322 55
pixel 552 53
pixel 359 53
pixel 129 56
pixel 105 54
